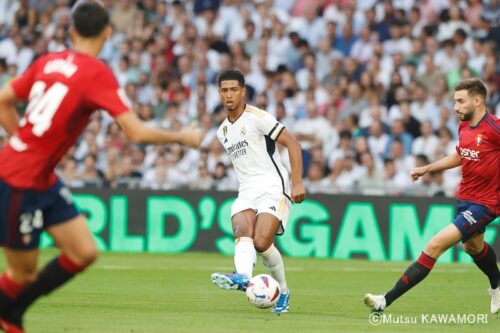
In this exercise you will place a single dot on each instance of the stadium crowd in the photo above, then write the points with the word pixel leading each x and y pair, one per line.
pixel 366 85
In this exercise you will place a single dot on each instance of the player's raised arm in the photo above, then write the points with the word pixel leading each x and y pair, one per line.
pixel 138 132
pixel 8 114
pixel 451 161
pixel 295 154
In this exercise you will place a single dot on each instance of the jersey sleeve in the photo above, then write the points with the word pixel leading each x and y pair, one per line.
pixel 495 132
pixel 22 84
pixel 267 125
pixel 104 93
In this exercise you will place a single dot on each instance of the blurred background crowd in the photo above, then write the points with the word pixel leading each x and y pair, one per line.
pixel 365 85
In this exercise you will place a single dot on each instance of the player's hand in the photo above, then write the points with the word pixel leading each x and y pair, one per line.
pixel 298 193
pixel 191 136
pixel 416 173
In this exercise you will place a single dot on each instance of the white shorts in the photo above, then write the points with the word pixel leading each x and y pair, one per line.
pixel 276 204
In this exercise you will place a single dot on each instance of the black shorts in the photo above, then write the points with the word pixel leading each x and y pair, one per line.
pixel 471 218
pixel 25 213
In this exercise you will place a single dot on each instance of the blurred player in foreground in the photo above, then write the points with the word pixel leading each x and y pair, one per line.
pixel 478 197
pixel 249 136
pixel 63 90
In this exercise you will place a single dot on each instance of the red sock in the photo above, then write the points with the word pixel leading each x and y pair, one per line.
pixel 70 266
pixel 426 261
pixel 10 287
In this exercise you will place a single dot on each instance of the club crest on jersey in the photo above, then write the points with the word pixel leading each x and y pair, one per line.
pixel 243 131
pixel 479 139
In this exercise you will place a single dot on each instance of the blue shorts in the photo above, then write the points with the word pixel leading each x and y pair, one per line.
pixel 25 213
pixel 471 218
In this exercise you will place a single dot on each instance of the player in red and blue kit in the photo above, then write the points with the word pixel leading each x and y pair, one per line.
pixel 478 196
pixel 63 90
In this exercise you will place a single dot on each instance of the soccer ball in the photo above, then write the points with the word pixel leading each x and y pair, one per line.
pixel 263 291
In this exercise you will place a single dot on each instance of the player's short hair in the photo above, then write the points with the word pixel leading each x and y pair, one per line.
pixel 89 19
pixel 231 74
pixel 474 86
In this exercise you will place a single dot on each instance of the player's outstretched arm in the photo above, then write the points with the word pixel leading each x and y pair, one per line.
pixel 8 114
pixel 295 154
pixel 137 131
pixel 451 161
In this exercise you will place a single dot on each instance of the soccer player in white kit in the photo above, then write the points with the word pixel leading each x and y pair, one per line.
pixel 265 196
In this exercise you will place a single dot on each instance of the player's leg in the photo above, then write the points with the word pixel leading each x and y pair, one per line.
pixel 265 230
pixel 70 233
pixel 19 273
pixel 419 269
pixel 78 251
pixel 484 257
pixel 19 247
pixel 272 220
pixel 474 219
pixel 244 251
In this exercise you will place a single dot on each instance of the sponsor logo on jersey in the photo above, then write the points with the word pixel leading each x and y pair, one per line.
pixel 479 139
pixel 272 208
pixel 237 150
pixel 237 146
pixel 469 154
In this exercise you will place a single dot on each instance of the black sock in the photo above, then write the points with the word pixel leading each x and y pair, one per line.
pixel 415 273
pixel 9 291
pixel 486 260
pixel 57 272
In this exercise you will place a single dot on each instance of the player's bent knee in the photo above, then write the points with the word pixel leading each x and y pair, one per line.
pixel 85 256
pixel 473 248
pixel 89 255
pixel 24 277
pixel 242 231
pixel 30 278
pixel 434 248
pixel 261 244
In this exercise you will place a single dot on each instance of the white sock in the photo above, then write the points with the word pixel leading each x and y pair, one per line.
pixel 271 258
pixel 245 256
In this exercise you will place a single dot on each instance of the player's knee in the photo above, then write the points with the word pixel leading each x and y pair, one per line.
pixel 24 277
pixel 86 256
pixel 27 279
pixel 90 255
pixel 261 244
pixel 241 231
pixel 473 248
pixel 434 248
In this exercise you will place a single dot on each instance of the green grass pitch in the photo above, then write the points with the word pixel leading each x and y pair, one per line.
pixel 152 293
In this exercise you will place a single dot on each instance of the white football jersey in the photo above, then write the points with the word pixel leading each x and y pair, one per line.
pixel 250 141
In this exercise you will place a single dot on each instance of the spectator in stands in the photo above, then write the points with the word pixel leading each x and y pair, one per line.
pixel 398 133
pixel 371 180
pixel 390 63
pixel 427 143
